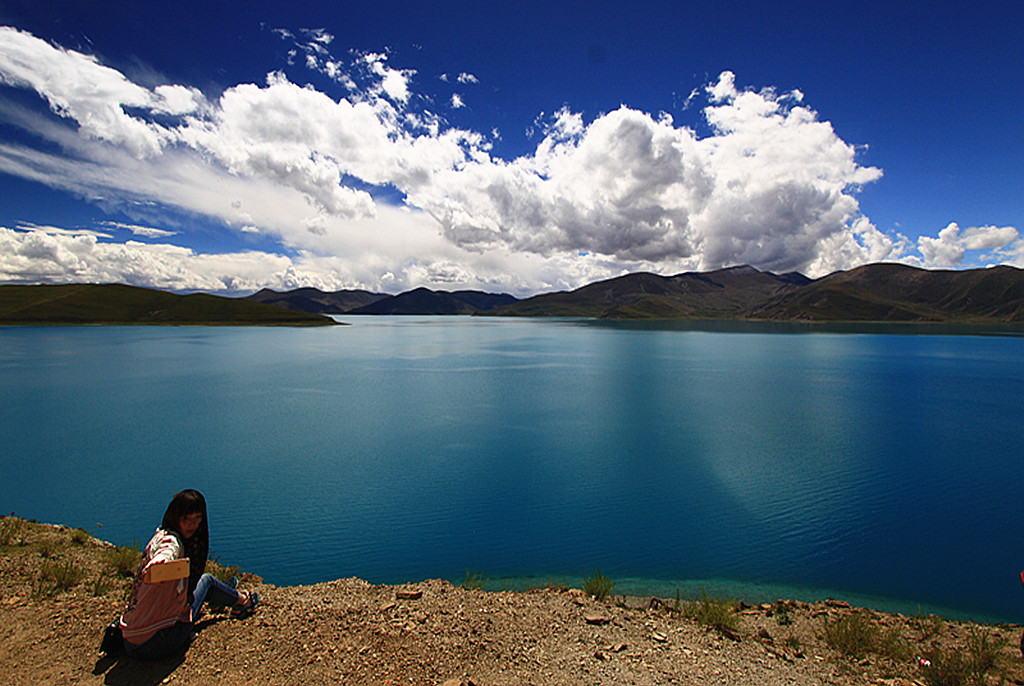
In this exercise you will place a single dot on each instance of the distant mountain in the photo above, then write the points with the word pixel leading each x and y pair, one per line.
pixel 875 292
pixel 895 292
pixel 120 304
pixel 317 301
pixel 722 293
pixel 426 301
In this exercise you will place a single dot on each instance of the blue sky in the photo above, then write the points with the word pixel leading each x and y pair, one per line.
pixel 512 147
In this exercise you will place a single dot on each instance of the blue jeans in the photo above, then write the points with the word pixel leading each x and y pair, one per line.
pixel 215 592
pixel 172 638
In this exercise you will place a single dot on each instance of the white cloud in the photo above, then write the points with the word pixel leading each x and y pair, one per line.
pixel 77 86
pixel 393 82
pixel 58 231
pixel 145 231
pixel 949 249
pixel 772 185
pixel 319 37
pixel 48 257
pixel 724 89
pixel 457 101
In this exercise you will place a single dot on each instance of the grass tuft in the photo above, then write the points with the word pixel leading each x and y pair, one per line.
pixel 126 558
pixel 715 613
pixel 220 571
pixel 80 536
pixel 970 667
pixel 12 531
pixel 102 586
pixel 853 635
pixel 55 577
pixel 474 581
pixel 598 585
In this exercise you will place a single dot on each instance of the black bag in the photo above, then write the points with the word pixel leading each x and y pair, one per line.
pixel 113 641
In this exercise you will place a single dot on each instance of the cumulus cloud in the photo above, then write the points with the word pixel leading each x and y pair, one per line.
pixel 950 247
pixel 45 256
pixel 393 82
pixel 54 255
pixel 771 185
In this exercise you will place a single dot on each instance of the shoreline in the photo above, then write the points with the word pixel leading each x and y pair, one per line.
pixel 434 632
pixel 744 592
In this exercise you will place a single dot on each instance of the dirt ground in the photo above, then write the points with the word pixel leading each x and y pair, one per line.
pixel 434 633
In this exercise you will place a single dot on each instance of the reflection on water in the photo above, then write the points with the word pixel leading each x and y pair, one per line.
pixel 666 455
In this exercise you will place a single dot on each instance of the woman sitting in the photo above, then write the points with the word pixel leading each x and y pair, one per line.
pixel 171 586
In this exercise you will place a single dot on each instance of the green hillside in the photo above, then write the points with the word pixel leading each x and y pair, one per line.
pixel 895 292
pixel 120 304
pixel 870 293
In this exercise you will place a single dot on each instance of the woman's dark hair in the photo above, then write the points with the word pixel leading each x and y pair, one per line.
pixel 197 548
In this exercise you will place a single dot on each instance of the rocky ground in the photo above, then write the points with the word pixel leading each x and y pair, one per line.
pixel 434 633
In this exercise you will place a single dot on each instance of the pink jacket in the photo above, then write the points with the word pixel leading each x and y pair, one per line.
pixel 155 606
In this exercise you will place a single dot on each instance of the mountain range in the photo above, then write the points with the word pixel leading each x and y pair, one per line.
pixel 871 293
pixel 874 292
pixel 121 304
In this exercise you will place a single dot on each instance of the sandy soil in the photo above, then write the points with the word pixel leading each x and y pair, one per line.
pixel 352 632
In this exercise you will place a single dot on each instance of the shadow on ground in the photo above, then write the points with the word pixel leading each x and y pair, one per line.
pixel 121 670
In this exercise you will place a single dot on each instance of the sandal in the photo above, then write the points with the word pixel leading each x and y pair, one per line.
pixel 246 609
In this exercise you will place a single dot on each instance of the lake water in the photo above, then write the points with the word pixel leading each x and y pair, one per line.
pixel 757 462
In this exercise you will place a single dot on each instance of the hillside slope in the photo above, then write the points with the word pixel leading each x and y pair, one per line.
pixel 722 293
pixel 895 292
pixel 314 300
pixel 426 301
pixel 431 632
pixel 874 292
pixel 120 304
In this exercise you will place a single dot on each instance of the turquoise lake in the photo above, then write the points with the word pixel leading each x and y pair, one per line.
pixel 754 461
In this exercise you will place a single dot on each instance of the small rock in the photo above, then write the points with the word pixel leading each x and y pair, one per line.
pixel 660 638
pixel 409 595
pixel 596 619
